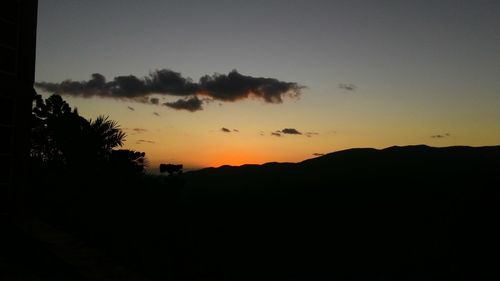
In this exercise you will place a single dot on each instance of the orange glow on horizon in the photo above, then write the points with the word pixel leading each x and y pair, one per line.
pixel 236 158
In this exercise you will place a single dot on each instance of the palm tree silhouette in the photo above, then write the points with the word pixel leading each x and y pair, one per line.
pixel 105 135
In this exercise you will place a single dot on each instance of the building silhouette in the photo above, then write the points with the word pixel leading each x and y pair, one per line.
pixel 18 21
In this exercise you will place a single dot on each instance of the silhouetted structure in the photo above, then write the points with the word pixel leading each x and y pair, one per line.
pixel 18 21
pixel 171 169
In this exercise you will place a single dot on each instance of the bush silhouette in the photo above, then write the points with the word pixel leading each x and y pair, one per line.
pixel 127 161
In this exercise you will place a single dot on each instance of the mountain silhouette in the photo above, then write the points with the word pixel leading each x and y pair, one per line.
pixel 412 212
pixel 397 165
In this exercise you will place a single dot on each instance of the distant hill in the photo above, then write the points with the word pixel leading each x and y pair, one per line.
pixel 412 212
pixel 395 165
pixel 407 153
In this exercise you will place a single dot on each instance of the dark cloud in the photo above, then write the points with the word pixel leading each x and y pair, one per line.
pixel 318 154
pixel 236 130
pixel 291 131
pixel 347 87
pixel 95 86
pixel 190 104
pixel 222 87
pixel 225 130
pixel 128 87
pixel 440 136
pixel 165 81
pixel 156 113
pixel 235 86
pixel 131 108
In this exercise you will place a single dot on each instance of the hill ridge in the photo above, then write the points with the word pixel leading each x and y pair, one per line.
pixel 360 152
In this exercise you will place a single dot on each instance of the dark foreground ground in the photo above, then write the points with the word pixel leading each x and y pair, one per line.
pixel 399 213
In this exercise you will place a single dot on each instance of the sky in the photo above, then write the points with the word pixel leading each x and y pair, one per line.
pixel 208 83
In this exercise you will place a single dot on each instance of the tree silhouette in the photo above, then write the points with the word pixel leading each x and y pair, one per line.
pixel 127 162
pixel 106 135
pixel 61 138
pixel 56 130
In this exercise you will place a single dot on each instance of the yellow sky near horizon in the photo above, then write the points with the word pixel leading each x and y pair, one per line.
pixel 196 139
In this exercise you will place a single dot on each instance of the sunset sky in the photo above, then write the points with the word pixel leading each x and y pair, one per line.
pixel 311 77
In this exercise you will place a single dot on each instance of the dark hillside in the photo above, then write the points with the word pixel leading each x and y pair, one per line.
pixel 414 212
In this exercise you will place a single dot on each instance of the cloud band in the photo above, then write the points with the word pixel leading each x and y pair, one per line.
pixel 229 87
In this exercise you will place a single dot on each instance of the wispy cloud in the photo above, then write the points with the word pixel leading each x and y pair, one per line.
pixel 310 134
pixel 440 136
pixel 347 87
pixel 156 113
pixel 136 130
pixel 143 141
pixel 131 108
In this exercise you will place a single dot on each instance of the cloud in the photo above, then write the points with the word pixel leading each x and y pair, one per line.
pixel 156 113
pixel 235 86
pixel 226 130
pixel 95 86
pixel 222 87
pixel 310 134
pixel 291 131
pixel 347 87
pixel 318 154
pixel 190 104
pixel 131 108
pixel 136 130
pixel 144 141
pixel 440 136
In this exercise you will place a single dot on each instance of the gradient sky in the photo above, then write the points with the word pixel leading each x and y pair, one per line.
pixel 425 72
